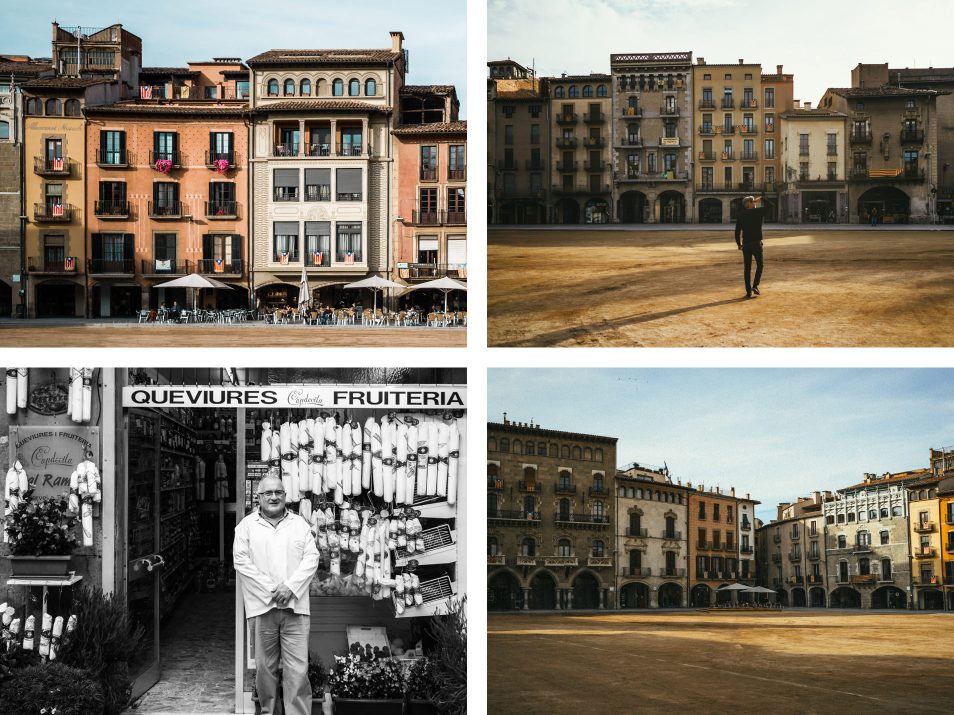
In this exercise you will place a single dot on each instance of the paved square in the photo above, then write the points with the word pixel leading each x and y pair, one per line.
pixel 815 661
pixel 682 287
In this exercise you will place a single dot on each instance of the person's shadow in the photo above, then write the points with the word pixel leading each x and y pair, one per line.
pixel 552 338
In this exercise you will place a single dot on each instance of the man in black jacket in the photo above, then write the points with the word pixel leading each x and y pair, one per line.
pixel 748 236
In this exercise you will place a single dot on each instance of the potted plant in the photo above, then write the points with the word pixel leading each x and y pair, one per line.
pixel 42 534
pixel 422 687
pixel 362 683
pixel 222 166
pixel 163 166
pixel 450 658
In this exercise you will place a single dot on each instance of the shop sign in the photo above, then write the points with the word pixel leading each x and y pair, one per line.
pixel 297 396
pixel 50 454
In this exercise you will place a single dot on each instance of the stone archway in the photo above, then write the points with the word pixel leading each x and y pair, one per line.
pixel 710 211
pixel 700 596
pixel 672 207
pixel 845 597
pixel 889 597
pixel 816 597
pixel 543 592
pixel 504 592
pixel 632 207
pixel 798 597
pixel 596 211
pixel 892 204
pixel 634 595
pixel 670 595
pixel 586 591
pixel 782 597
pixel 567 211
pixel 932 600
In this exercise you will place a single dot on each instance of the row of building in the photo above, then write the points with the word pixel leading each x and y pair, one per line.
pixel 663 139
pixel 567 528
pixel 116 177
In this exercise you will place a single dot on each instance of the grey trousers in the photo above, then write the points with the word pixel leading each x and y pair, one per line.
pixel 282 635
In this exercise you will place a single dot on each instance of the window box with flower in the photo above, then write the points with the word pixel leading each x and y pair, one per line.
pixel 361 683
pixel 42 534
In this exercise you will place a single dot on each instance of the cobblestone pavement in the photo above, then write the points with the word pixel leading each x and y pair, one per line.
pixel 197 655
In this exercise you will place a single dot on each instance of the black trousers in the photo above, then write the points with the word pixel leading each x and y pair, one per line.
pixel 750 251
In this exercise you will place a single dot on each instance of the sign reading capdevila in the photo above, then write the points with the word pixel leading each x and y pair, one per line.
pixel 296 396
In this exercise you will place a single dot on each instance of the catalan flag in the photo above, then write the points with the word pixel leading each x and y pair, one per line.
pixel 58 164
pixel 56 210
pixel 69 263
pixel 883 173
pixel 283 258
pixel 145 92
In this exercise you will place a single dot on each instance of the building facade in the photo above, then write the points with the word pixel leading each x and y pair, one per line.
pixel 651 531
pixel 778 92
pixel 793 560
pixel 867 544
pixel 576 163
pixel 320 160
pixel 550 518
pixel 942 464
pixel 926 545
pixel 813 180
pixel 430 207
pixel 652 137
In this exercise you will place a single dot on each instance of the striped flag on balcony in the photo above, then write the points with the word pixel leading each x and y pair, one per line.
pixel 56 210
pixel 316 257
pixel 349 257
pixel 283 258
pixel 884 172
pixel 219 266
pixel 145 92
pixel 57 165
pixel 69 263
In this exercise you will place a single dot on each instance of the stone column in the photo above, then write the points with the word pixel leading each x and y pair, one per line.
pixel 653 597
pixel 302 140
pixel 526 599
pixel 569 599
pixel 602 599
pixel 559 599
pixel 734 598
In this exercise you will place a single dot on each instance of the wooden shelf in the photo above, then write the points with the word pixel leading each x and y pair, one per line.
pixel 41 581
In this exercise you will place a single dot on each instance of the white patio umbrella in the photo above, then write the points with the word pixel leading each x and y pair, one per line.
pixel 194 281
pixel 374 283
pixel 445 285
pixel 304 295
pixel 733 587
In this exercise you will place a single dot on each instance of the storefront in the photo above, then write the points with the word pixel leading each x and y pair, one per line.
pixel 181 452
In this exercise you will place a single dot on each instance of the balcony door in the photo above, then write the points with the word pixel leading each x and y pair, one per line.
pixel 427 250
pixel 54 253
pixel 54 154
pixel 164 253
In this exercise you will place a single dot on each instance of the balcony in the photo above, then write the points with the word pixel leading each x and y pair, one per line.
pixel 796 580
pixel 566 142
pixel 429 174
pixel 888 578
pixel 831 151
pixel 632 140
pixel 703 545
pixel 925 552
pixel 776 538
pixel 568 118
pixel 164 267
pixel 925 527
pixel 496 560
pixel 706 156
pixel 104 266
pixel 220 266
pixel 813 579
pixel 536 164
pixel 746 526
pixel 107 210
pixel 707 130
pixel 324 149
pixel 638 533
pixel 886 175
pixel 750 156
pixel 636 573
pixel 673 573
pixel 671 535
pixel 567 166
pixel 317 192
pixel 949 547
pixel 560 561
pixel 631 112
pixel 221 161
pixel 51 167
pixel 726 129
pixel 531 517
pixel 665 111
pixel 713 575
pixel 40 264
pixel 859 137
pixel 728 156
pixel 813 556
pixel 864 578
pixel 707 104
pixel 425 218
pixel 747 549
pixel 526 561
pixel 594 118
pixel 165 156
pixel 731 548
pixel 112 158
pixel 350 149
pixel 749 103
pixel 564 488
pixel 285 149
pixel 748 130
pixel 595 491
pixel 599 561
pixel 457 174
pixel 727 103
pixel 529 487
pixel 594 142
pixel 52 213
pixel 776 558
pixel 912 136
pixel 455 218
pixel 594 165
pixel 861 549
pixel 427 271
pixel 165 209
pixel 588 520
pixel 221 210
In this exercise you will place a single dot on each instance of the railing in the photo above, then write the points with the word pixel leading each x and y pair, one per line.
pixel 631 112
pixel 637 572
pixel 560 561
pixel 706 156
pixel 566 118
pixel 861 549
pixel 208 265
pixel 285 193
pixel 707 130
pixel 828 179
pixel 750 103
pixel 567 166
pixel 321 149
pixel 221 209
pixel 636 532
pixel 455 218
pixel 727 129
pixel 285 149
pixel 317 192
pixel 319 259
pixel 594 165
pixel 496 560
pixel 170 156
pixel 566 142
pixel 530 487
pixel 727 103
pixel 632 140
pixel 594 117
pixel 213 157
pixel 161 266
pixel 796 580
pixel 746 526
pixel 98 266
pixel 776 558
pixel 924 527
pixel 856 137
pixel 668 111
pixel 831 151
pixel 51 167
pixel 925 552
pixel 457 174
pixel 349 149
pixel 111 209
pixel 581 518
pixel 495 484
pixel 599 561
pixel 429 174
pixel 864 578
pixel 707 104
pixel 112 158
pixel 52 213
pixel 903 175
pixel 536 165
pixel 594 142
pixel 564 488
pixel 426 271
pixel 812 579
pixel 41 264
pixel 515 515
pixel 165 209
pixel 713 575
pixel 672 535
pixel 748 129
pixel 889 578
pixel 912 136
pixel 747 549
pixel 949 548
pixel 673 573
pixel 526 561
pixel 702 545
pixel 599 491
pixel 750 156
pixel 813 556
pixel 425 218
pixel 776 538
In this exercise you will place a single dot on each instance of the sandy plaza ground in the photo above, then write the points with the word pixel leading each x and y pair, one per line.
pixel 682 286
pixel 794 661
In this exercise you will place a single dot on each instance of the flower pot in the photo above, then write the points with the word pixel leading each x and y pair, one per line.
pixel 40 566
pixel 349 706
pixel 421 707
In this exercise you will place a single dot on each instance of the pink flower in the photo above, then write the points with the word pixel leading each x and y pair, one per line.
pixel 163 166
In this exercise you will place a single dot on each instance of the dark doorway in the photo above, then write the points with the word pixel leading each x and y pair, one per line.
pixel 56 300
pixel 542 592
pixel 586 592
pixel 504 593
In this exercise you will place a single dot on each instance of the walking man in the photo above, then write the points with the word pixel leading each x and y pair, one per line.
pixel 275 553
pixel 748 237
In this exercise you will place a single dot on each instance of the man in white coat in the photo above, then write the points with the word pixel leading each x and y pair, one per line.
pixel 276 556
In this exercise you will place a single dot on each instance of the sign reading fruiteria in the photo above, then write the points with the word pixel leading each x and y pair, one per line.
pixel 50 454
pixel 294 396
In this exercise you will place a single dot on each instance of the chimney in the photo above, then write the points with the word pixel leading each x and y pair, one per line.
pixel 688 485
pixel 796 104
pixel 397 40
pixel 505 419
pixel 700 60
pixel 732 491
pixel 702 487
pixel 808 105
pixel 778 69
pixel 748 497
pixel 816 497
pixel 741 61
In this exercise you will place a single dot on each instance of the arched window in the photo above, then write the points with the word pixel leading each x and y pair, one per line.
pixel 564 548
pixel 574 91
pixel 598 455
pixel 564 480
pixel 598 548
pixel 884 512
pixel 491 444
pixel 71 108
pixel 872 514
pixel 895 511
pixel 370 88
pixel 840 518
pixel 597 510
pixel 528 547
pixel 559 93
pixel 554 450
pixel 587 90
pixel 493 471
pixel 542 449
pixel 587 453
pixel 273 88
pixel 564 508
pixel 491 545
pixel 635 562
pixel 529 505
pixel 597 482
pixel 492 505
pixel 601 90
pixel 577 453
pixel 289 89
pixel 504 444
pixel 354 87
pixel 564 451
pixel 635 524
pixel 529 448
pixel 53 108
pixel 517 447
pixel 337 87
pixel 842 541
pixel 529 475
pixel 4 130
pixel 33 106
pixel 304 88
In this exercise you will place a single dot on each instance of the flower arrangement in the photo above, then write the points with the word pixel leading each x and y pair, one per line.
pixel 163 165
pixel 316 676
pixel 360 675
pixel 221 165
pixel 422 679
pixel 41 527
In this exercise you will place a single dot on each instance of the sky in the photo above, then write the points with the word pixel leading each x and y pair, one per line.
pixel 819 41
pixel 178 31
pixel 775 433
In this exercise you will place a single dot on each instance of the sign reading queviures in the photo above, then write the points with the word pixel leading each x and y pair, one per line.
pixel 295 396
pixel 50 454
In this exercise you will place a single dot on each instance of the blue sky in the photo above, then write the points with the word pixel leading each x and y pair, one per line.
pixel 817 40
pixel 177 31
pixel 777 433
